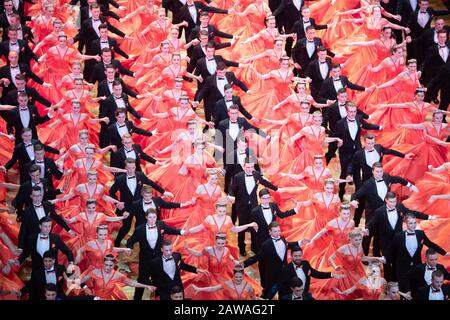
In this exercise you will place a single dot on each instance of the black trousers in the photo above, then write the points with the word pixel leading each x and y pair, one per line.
pixel 359 211
pixel 367 239
pixel 143 277
pixel 126 226
pixel 345 160
pixel 243 213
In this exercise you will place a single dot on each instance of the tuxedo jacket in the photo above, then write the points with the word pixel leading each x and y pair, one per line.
pixel 125 194
pixel 233 167
pixel 56 246
pixel 210 92
pixel 104 91
pixel 118 158
pixel 174 6
pixel 15 125
pixel 380 223
pixel 106 3
pixel 282 284
pixel 109 106
pixel 289 297
pixel 23 195
pixel 51 170
pixel 185 15
pixel 416 28
pixel 197 53
pixel 313 71
pixel 33 96
pixel 94 47
pixel 138 208
pixel 272 262
pixel 162 281
pixel 25 53
pixel 212 32
pixel 20 155
pixel 332 116
pixel 35 287
pixel 416 276
pixel 398 253
pixel 360 169
pixel 300 54
pixel 433 62
pixel 84 13
pixel 30 222
pixel 257 216
pixel 289 13
pixel 404 9
pixel 98 73
pixel 328 92
pixel 342 131
pixel 202 69
pixel 26 32
pixel 239 190
pixel 426 40
pixel 299 27
pixel 87 32
pixel 424 292
pixel 440 82
pixel 220 111
pixel 146 253
pixel 369 190
pixel 114 136
pixel 5 72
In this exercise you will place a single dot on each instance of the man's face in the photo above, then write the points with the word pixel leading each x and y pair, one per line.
pixel 298 291
pixel 36 196
pixel 351 112
pixel 8 6
pixel 423 5
pixel 104 33
pixel 12 36
pixel 177 296
pixel 204 20
pixel 275 232
pixel 20 84
pixel 432 260
pixel 411 224
pixel 342 97
pixel 26 136
pixel 233 114
pixel 310 34
pixel 35 176
pixel 322 55
pixel 335 72
pixel 39 154
pixel 167 250
pixel 147 196
pixel 13 58
pixel 15 22
pixel 50 295
pixel 442 38
pixel 439 25
pixel 221 73
pixel 203 40
pixel 131 168
pixel 121 117
pixel 127 142
pixel 249 167
pixel 228 92
pixel 306 13
pixel 370 143
pixel 210 52
pixel 391 202
pixel 106 56
pixel 297 257
pixel 45 227
pixel 117 91
pixel 48 263
pixel 95 13
pixel 110 73
pixel 378 173
pixel 151 219
pixel 265 200
pixel 437 282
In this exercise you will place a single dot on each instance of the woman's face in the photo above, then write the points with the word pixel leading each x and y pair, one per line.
pixel 279 45
pixel 318 163
pixel 438 118
pixel 329 187
pixel 387 33
pixel 84 138
pixel 271 23
pixel 304 107
pixel 62 41
pixel 420 96
pixel 398 53
pixel 92 179
pixel 78 85
pixel 76 108
pixel 174 33
pixel 102 234
pixel 89 154
pixel 318 120
pixel 76 68
pixel 176 60
pixel 238 277
pixel 165 48
pixel 178 85
pixel 375 271
pixel 345 214
pixel 412 66
pixel 356 241
pixel 284 64
pixel 213 178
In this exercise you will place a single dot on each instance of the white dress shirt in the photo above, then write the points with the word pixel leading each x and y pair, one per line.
pixel 423 18
pixel 413 4
pixel 352 128
pixel 14 46
pixel 40 213
pixel 129 153
pixel 148 205
pixel 110 83
pixel 38 184
pixel 435 295
pixel 241 158
pixel 411 243
pixel 306 24
pixel 30 150
pixel 443 52
pixel 337 84
pixel 50 275
pixel 95 25
pixel 342 110
pixel 16 4
pixel 152 235
pixel 15 70
pixel 372 156
pixel 427 275
pixel 104 44
pixel 297 4
pixel 41 163
pixel 249 183
pixel 19 33
pixel 221 84
pixel 119 102
pixel 169 267
pixel 193 12
pixel 268 215
pixel 24 117
pixel 392 217
pixel 122 129
pixel 233 131
pixel 310 47
pixel 42 245
pixel 382 188
pixel 300 273
pixel 211 65
pixel 280 247
pixel 323 66
pixel 132 184
pixel 228 104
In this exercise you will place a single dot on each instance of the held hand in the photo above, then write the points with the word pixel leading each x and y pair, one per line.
pixel 72 233
pixel 433 217
pixel 407 30
pixel 151 288
pixel 410 156
pixel 113 148
pixel 231 199
pixel 120 205
pixel 47 85
pixel 3 169
pixel 413 188
pixel 382 260
pixel 97 58
pixel 354 204
pixel 408 39
pixel 254 225
pixel 340 142
pixel 200 79
pixel 349 179
pixel 366 232
pixel 154 132
pixel 88 291
pixel 129 252
pixel 168 194
pixel 126 214
pixel 338 276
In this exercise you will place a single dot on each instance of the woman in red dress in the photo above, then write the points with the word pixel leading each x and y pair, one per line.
pixel 234 289
pixel 350 257
pixel 370 287
pixel 105 282
pixel 333 236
